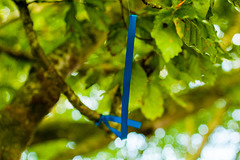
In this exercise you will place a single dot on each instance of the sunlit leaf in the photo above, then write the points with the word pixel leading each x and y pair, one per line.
pixel 152 106
pixel 166 38
pixel 138 84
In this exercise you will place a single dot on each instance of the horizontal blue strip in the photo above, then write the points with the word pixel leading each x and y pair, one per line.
pixel 106 118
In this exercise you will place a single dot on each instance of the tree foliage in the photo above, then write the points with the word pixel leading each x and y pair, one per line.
pixel 62 64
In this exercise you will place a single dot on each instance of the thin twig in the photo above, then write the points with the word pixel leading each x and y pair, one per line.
pixel 157 6
pixel 132 12
pixel 144 39
pixel 125 24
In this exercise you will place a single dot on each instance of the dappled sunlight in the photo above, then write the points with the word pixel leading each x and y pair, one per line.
pixel 92 101
pixel 183 139
pixel 196 84
pixel 203 129
pixel 223 144
pixel 71 145
pixel 220 103
pixel 4 13
pixel 236 39
pixel 226 65
pixel 177 87
pixel 29 156
pixel 220 33
pixel 163 73
pixel 76 115
pixel 236 114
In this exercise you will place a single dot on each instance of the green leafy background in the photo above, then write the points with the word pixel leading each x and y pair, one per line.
pixel 177 49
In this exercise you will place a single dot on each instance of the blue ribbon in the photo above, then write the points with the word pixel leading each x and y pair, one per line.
pixel 106 118
pixel 125 122
pixel 127 75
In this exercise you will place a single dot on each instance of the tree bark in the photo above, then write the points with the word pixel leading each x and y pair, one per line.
pixel 41 91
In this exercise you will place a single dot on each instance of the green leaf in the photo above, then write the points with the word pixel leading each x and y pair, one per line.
pixel 138 84
pixel 152 107
pixel 186 11
pixel 105 104
pixel 141 49
pixel 92 77
pixel 236 3
pixel 144 26
pixel 201 7
pixel 199 35
pixel 118 79
pixel 210 10
pixel 189 67
pixel 73 27
pixel 96 13
pixel 116 41
pixel 166 38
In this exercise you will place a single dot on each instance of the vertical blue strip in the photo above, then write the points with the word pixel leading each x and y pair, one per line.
pixel 127 75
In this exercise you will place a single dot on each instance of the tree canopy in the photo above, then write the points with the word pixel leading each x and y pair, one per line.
pixel 62 66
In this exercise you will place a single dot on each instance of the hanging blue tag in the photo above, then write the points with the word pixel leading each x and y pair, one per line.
pixel 127 75
pixel 125 122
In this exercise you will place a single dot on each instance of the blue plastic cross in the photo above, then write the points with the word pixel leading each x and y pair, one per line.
pixel 127 75
pixel 125 122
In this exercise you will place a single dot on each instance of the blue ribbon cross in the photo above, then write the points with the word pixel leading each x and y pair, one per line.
pixel 125 122
pixel 127 74
pixel 106 118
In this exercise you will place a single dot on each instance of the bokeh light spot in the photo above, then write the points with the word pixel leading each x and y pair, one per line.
pixel 76 115
pixel 203 129
pixel 236 115
pixel 236 39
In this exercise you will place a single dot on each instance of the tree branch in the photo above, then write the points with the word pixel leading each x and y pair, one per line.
pixel 125 24
pixel 72 131
pixel 196 99
pixel 16 54
pixel 157 6
pixel 41 91
pixel 37 51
